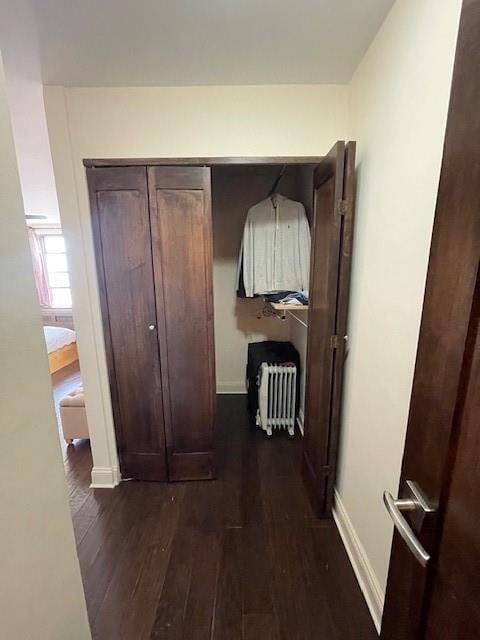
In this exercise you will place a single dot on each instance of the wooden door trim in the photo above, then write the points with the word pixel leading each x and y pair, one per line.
pixel 104 310
pixel 202 161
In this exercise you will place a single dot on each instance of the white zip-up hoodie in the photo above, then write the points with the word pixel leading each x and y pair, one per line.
pixel 275 248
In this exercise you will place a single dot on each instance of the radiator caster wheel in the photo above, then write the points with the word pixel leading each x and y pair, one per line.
pixel 291 432
pixel 269 433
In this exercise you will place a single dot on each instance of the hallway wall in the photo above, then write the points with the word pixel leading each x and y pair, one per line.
pixel 397 103
pixel 27 110
pixel 398 108
pixel 41 594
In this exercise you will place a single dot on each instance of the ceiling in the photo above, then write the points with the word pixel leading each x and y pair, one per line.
pixel 203 42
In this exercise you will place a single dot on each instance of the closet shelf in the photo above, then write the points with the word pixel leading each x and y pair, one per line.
pixel 278 306
pixel 280 311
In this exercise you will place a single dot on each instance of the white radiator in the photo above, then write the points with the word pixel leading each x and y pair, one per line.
pixel 277 397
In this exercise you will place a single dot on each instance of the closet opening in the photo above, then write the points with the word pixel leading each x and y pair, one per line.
pixel 179 328
pixel 241 321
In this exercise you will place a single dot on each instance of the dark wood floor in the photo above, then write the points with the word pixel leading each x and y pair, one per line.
pixel 241 557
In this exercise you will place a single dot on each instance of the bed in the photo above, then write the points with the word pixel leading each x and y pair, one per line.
pixel 61 347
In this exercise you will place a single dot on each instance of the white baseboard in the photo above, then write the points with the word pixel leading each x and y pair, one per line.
pixel 223 392
pixel 105 477
pixel 372 592
pixel 300 421
pixel 231 387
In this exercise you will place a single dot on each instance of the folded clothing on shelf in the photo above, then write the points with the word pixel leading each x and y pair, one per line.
pixel 287 297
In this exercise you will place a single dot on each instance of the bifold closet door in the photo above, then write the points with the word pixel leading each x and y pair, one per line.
pixel 121 226
pixel 180 206
pixel 334 189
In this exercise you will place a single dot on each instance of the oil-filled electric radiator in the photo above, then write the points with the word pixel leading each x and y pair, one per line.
pixel 277 397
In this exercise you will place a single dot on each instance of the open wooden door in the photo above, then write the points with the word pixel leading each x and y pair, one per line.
pixel 433 588
pixel 454 604
pixel 334 189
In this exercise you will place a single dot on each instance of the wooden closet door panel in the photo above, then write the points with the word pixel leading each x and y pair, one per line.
pixel 119 203
pixel 334 186
pixel 182 254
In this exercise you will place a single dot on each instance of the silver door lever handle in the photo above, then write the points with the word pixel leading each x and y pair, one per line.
pixel 395 508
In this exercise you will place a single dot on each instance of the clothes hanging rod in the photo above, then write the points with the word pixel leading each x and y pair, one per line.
pixel 208 162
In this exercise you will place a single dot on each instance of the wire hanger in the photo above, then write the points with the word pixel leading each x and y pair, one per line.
pixel 277 181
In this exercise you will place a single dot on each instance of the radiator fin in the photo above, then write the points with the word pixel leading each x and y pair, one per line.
pixel 277 397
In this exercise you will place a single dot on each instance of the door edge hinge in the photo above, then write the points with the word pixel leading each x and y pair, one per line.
pixel 334 342
pixel 342 207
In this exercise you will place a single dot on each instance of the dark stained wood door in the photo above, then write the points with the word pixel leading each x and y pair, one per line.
pixel 454 612
pixel 441 600
pixel 180 205
pixel 121 226
pixel 334 188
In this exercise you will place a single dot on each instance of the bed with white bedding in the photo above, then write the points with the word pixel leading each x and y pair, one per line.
pixel 61 347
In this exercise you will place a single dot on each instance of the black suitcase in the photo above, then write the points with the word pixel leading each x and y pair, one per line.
pixel 272 352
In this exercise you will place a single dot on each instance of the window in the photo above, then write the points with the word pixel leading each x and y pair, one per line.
pixel 57 270
pixel 52 246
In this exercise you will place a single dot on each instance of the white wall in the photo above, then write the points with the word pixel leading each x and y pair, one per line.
pixel 41 596
pixel 398 107
pixel 238 321
pixel 298 337
pixel 298 321
pixel 164 122
pixel 32 147
pixel 398 104
pixel 25 97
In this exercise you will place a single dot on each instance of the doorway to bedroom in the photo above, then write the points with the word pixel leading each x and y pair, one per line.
pixel 52 281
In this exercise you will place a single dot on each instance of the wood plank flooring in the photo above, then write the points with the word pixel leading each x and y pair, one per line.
pixel 238 558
